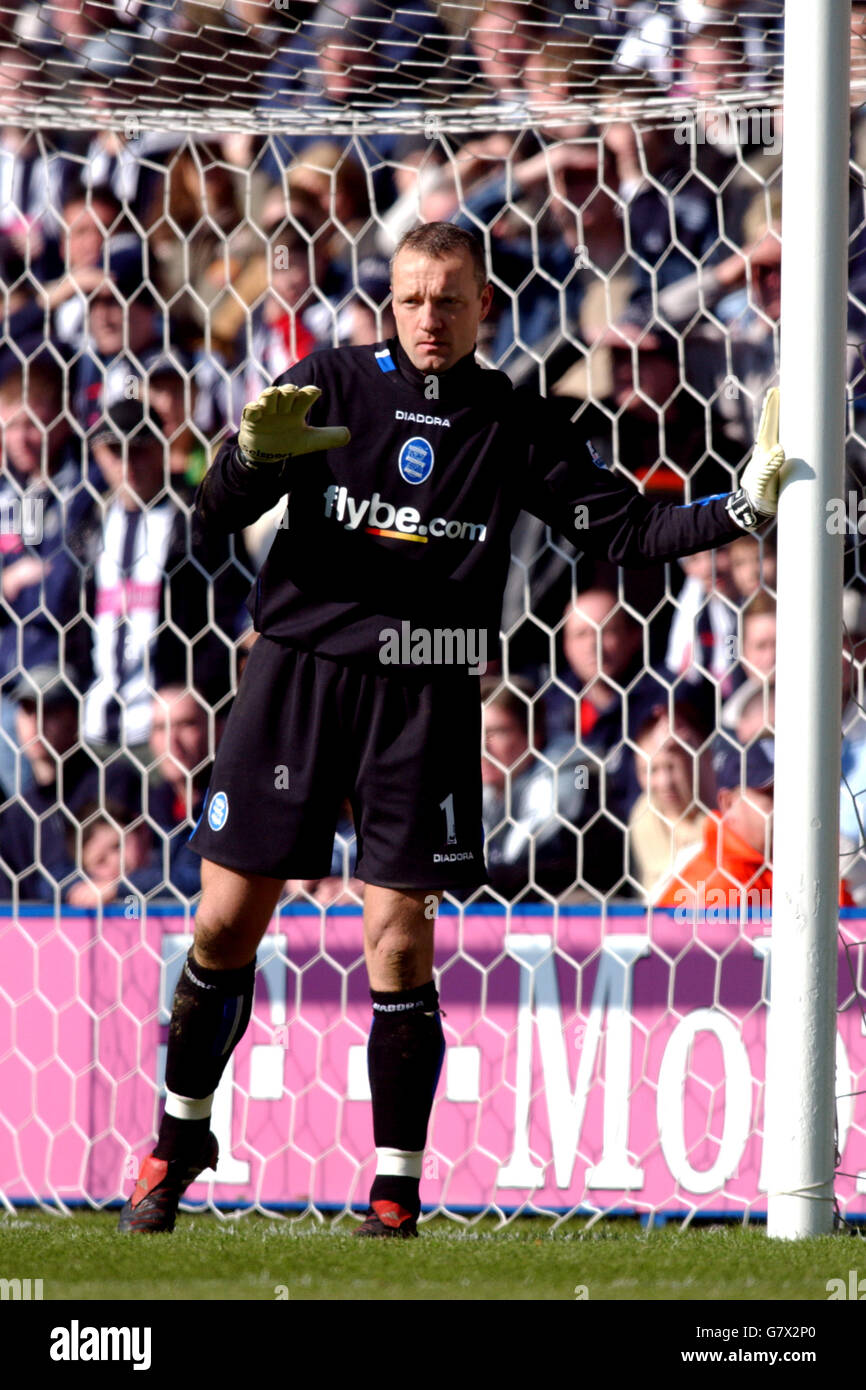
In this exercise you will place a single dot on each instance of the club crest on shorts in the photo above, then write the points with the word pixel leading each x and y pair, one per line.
pixel 219 811
pixel 416 460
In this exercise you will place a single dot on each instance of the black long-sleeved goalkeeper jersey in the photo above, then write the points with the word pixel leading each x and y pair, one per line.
pixel 411 520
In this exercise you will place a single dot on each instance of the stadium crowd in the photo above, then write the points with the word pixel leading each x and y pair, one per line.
pixel 153 283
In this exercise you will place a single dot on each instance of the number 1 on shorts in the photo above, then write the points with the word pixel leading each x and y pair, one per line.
pixel 448 807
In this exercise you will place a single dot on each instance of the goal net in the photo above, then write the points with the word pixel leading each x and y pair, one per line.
pixel 193 198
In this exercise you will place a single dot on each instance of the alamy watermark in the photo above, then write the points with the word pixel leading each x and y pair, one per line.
pixel 734 125
pixel 846 515
pixel 854 1288
pixel 77 1343
pixel 722 904
pixel 22 516
pixel 438 646
pixel 20 1290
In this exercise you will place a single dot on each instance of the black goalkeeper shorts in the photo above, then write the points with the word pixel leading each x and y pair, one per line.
pixel 306 732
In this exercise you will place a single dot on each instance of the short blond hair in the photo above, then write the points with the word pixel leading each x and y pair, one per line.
pixel 440 239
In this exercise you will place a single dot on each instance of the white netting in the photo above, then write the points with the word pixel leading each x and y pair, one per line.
pixel 349 66
pixel 193 198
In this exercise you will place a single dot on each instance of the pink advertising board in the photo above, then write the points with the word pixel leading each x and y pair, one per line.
pixel 611 1064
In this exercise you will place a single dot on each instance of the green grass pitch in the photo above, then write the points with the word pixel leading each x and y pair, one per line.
pixel 255 1258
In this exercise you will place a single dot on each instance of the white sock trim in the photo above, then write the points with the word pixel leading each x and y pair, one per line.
pixel 187 1108
pixel 399 1163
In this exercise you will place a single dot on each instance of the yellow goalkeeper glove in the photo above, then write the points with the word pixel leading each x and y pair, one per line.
pixel 274 427
pixel 760 481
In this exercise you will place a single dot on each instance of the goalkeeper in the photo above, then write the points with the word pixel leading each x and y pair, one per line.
pixel 406 465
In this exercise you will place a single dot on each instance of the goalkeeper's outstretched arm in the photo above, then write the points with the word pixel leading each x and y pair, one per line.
pixel 602 511
pixel 253 470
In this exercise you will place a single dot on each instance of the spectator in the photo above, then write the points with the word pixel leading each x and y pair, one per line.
pixel 656 37
pixel 132 557
pixel 736 852
pixel 534 252
pixel 645 422
pixel 130 160
pixel 734 369
pixel 116 852
pixel 292 318
pixel 649 43
pixel 668 816
pixel 282 327
pixel 525 56
pixel 758 662
pixel 92 220
pixel 42 501
pixel 752 562
pixel 501 39
pixel 713 63
pixel 603 694
pixel 670 214
pixel 527 845
pixel 702 641
pixel 172 396
pixel 732 868
pixel 533 807
pixel 757 715
pixel 192 52
pixel 123 326
pixel 283 220
pixel 759 637
pixel 62 33
pixel 31 169
pixel 735 149
pixel 415 175
pixel 151 592
pixel 365 321
pixel 201 240
pixel 337 181
pixel 180 743
pixel 33 826
pixel 320 64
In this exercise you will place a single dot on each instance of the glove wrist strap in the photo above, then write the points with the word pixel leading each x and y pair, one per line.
pixel 246 462
pixel 243 460
pixel 741 509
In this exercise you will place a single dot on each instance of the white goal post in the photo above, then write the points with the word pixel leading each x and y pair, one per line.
pixel 801 1062
pixel 577 1082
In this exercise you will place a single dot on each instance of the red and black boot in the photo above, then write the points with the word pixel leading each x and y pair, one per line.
pixel 161 1184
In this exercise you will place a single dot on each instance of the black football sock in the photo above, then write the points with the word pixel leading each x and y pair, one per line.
pixel 404 1059
pixel 209 1017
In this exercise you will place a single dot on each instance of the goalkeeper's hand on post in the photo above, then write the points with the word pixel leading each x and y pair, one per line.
pixel 274 427
pixel 758 495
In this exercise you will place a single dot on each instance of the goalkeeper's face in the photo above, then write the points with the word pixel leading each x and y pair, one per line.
pixel 437 307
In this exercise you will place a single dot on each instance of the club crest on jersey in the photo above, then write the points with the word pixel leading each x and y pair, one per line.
pixel 416 460
pixel 219 811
